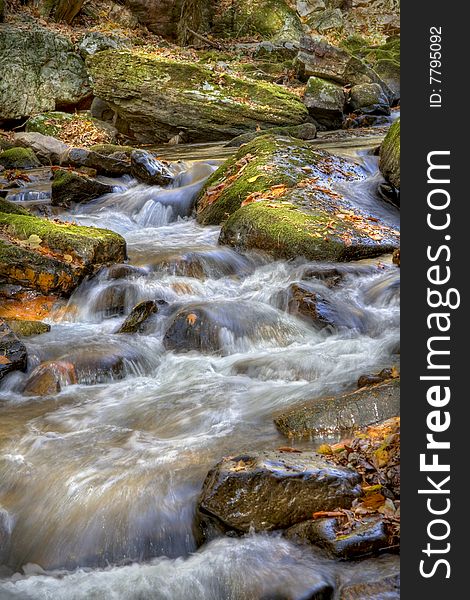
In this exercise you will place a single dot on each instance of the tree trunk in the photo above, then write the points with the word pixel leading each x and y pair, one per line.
pixel 61 10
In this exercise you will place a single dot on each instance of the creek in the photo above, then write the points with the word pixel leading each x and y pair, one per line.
pixel 101 481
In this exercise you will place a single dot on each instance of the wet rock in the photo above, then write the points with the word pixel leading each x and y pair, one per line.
pixel 367 537
pixel 48 149
pixel 384 374
pixel 124 271
pixel 396 257
pixel 382 588
pixel 146 168
pixel 389 73
pixel 330 276
pixel 306 131
pixel 389 163
pixel 152 99
pixel 343 413
pixel 310 305
pixel 318 58
pixel 53 75
pixel 138 316
pixel 53 257
pixel 352 121
pixel 369 98
pixel 325 101
pixel 114 300
pixel 24 328
pixel 389 194
pixel 97 41
pixel 70 187
pixel 113 150
pixel 19 158
pixel 50 378
pixel 13 356
pixel 274 490
pixel 99 366
pixel 105 165
pixel 6 527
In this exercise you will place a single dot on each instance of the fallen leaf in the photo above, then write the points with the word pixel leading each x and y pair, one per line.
pixel 191 318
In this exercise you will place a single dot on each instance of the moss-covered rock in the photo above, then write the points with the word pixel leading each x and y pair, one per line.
pixel 390 155
pixel 112 150
pixel 69 187
pixel 306 131
pixel 155 98
pixel 369 99
pixel 53 257
pixel 24 328
pixel 40 72
pixel 48 149
pixel 269 19
pixel 278 195
pixel 325 101
pixel 19 158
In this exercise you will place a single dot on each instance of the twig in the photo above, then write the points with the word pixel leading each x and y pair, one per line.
pixel 204 39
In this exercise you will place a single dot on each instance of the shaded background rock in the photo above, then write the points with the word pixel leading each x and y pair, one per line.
pixel 13 355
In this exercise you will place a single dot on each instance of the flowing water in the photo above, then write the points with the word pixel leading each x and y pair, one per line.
pixel 100 482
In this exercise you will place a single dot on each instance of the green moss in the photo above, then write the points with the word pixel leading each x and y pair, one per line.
pixel 88 244
pixel 390 155
pixel 27 328
pixel 19 158
pixel 287 158
pixel 12 208
pixel 158 96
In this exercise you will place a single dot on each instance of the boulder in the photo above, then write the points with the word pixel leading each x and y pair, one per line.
pixel 155 98
pixel 325 101
pixel 103 164
pixel 389 163
pixel 318 58
pixel 114 300
pixel 159 16
pixel 24 328
pixel 138 316
pixel 48 149
pixel 19 158
pixel 97 41
pixel 369 98
pixel 146 168
pixel 342 413
pixel 13 355
pixel 267 491
pixel 367 536
pixel 70 187
pixel 53 75
pixel 309 305
pixel 277 194
pixel 306 131
pixel 326 21
pixel 381 588
pixel 50 378
pixel 52 257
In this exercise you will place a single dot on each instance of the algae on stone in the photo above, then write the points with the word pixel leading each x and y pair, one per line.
pixel 157 98
pixel 390 155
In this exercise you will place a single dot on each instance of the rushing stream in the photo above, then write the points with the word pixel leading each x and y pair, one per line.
pixel 105 476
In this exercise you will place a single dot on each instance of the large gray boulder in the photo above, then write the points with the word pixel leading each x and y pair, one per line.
pixel 274 490
pixel 48 149
pixel 325 101
pixel 40 72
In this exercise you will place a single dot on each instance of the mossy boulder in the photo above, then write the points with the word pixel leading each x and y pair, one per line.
pixel 390 155
pixel 48 149
pixel 19 158
pixel 70 187
pixel 53 257
pixel 369 99
pixel 41 71
pixel 325 101
pixel 155 98
pixel 112 150
pixel 268 19
pixel 23 328
pixel 278 194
